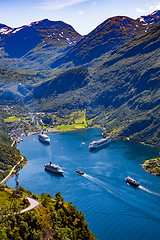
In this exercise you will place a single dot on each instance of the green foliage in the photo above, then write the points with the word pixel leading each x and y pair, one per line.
pixel 10 75
pixel 53 219
pixel 69 80
pixel 108 36
pixel 9 155
pixel 152 166
pixel 11 201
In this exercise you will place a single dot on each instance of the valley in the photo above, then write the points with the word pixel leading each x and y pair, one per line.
pixel 115 87
pixel 104 83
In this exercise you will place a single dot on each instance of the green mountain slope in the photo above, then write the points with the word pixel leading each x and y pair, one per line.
pixel 69 80
pixel 31 47
pixel 123 90
pixel 19 41
pixel 14 85
pixel 52 219
pixel 107 37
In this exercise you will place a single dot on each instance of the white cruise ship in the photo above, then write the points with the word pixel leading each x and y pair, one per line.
pixel 53 168
pixel 43 138
pixel 100 143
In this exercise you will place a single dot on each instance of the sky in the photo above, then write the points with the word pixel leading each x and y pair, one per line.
pixel 83 15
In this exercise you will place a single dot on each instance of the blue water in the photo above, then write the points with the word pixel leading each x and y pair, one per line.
pixel 113 209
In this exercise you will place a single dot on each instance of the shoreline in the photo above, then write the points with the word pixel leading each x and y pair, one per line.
pixel 152 166
pixel 11 172
pixel 149 171
pixel 73 130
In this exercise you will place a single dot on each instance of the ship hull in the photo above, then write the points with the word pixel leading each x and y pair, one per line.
pixel 95 146
pixel 132 182
pixel 43 140
pixel 53 170
pixel 79 172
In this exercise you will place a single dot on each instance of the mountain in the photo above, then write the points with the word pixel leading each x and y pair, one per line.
pixel 123 92
pixel 69 80
pixel 19 41
pixel 151 19
pixel 14 85
pixel 107 37
pixel 53 46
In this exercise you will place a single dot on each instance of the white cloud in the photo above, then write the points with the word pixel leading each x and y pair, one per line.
pixel 94 3
pixel 154 7
pixel 149 8
pixel 59 4
pixel 138 10
pixel 80 12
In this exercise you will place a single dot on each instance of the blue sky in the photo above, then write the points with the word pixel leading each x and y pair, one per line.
pixel 83 15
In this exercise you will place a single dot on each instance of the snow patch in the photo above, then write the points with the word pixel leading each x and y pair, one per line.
pixel 141 19
pixel 17 29
pixel 154 13
pixel 5 30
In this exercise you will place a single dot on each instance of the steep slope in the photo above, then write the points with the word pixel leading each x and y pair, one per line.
pixel 14 85
pixel 124 91
pixel 131 90
pixel 107 37
pixel 69 80
pixel 19 41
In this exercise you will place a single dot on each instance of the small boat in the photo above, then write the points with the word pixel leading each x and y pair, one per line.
pixel 132 181
pixel 79 172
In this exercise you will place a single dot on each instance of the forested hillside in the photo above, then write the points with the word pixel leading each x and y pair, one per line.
pixel 120 91
pixel 123 90
pixel 9 155
pixel 53 219
pixel 105 38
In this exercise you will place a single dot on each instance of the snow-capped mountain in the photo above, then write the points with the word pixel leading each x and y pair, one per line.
pixel 19 41
pixel 107 37
pixel 150 19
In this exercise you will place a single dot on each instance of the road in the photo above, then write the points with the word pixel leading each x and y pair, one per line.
pixel 8 176
pixel 33 204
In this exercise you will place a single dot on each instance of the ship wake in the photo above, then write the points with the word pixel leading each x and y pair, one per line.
pixel 103 185
pixel 148 191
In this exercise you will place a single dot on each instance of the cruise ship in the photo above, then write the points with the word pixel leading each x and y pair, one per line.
pixel 43 138
pixel 53 168
pixel 100 143
pixel 132 181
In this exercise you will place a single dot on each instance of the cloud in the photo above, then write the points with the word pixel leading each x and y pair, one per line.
pixel 138 10
pixel 80 12
pixel 156 6
pixel 149 8
pixel 59 4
